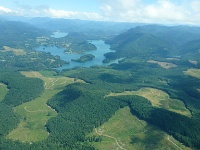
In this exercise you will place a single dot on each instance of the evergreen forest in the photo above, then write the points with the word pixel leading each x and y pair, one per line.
pixel 77 101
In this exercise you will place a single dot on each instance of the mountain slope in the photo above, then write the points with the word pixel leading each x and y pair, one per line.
pixel 135 42
pixel 14 33
pixel 153 40
pixel 94 29
pixel 191 47
pixel 15 27
pixel 176 35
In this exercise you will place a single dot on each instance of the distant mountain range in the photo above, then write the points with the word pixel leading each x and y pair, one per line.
pixel 94 29
pixel 15 32
pixel 16 27
pixel 157 40
pixel 128 39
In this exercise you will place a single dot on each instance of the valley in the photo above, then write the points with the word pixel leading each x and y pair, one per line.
pixel 98 85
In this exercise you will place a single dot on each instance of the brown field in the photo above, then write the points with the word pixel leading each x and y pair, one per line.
pixel 193 62
pixel 193 72
pixel 15 51
pixel 173 59
pixel 164 65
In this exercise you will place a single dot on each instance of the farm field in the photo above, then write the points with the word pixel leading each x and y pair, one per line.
pixel 164 65
pixel 15 51
pixel 35 114
pixel 193 72
pixel 193 62
pixel 3 91
pixel 125 131
pixel 160 99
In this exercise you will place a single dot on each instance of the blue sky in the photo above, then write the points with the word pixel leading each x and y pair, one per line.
pixel 147 11
pixel 73 5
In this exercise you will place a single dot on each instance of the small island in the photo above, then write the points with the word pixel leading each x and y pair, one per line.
pixel 84 58
pixel 80 48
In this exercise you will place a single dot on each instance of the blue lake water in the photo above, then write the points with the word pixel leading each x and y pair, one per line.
pixel 59 34
pixel 102 48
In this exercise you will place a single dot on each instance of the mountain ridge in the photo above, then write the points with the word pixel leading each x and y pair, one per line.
pixel 164 40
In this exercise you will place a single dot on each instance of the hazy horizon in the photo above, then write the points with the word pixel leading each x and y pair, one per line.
pixel 143 11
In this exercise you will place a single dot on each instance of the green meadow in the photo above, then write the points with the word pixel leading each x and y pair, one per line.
pixel 158 98
pixel 36 113
pixel 193 72
pixel 125 131
pixel 3 91
pixel 15 51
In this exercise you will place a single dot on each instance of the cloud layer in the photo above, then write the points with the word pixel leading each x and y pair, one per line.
pixel 161 11
pixel 158 11
pixel 44 11
pixel 4 10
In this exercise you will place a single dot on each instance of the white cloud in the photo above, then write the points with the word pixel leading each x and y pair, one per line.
pixel 5 10
pixel 44 11
pixel 195 5
pixel 61 13
pixel 164 10
pixel 72 14
pixel 161 11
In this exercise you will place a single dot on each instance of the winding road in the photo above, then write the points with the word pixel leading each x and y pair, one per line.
pixel 34 110
pixel 173 143
pixel 111 138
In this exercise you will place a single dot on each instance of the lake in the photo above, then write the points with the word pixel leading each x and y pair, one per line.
pixel 59 34
pixel 102 48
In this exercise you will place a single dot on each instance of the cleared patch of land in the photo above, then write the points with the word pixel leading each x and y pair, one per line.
pixel 193 72
pixel 3 91
pixel 36 113
pixel 193 62
pixel 164 65
pixel 173 59
pixel 42 39
pixel 15 51
pixel 158 98
pixel 125 131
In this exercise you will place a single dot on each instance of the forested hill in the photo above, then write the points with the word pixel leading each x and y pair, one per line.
pixel 94 29
pixel 18 41
pixel 15 32
pixel 155 39
pixel 19 27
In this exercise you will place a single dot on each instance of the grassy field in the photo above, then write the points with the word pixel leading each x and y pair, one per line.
pixel 165 65
pixel 15 51
pixel 35 114
pixel 193 62
pixel 160 99
pixel 3 91
pixel 173 59
pixel 48 73
pixel 125 131
pixel 193 72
